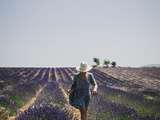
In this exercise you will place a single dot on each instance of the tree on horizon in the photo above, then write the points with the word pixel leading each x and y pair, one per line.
pixel 97 61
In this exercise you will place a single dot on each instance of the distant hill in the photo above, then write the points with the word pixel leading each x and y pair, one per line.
pixel 152 65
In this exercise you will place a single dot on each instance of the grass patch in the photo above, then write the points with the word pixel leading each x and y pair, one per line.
pixel 18 101
pixel 99 116
pixel 148 97
pixel 151 93
pixel 104 116
pixel 138 106
pixel 151 97
pixel 11 111
pixel 107 116
pixel 123 117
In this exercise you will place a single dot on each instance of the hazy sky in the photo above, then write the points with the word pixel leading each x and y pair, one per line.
pixel 65 32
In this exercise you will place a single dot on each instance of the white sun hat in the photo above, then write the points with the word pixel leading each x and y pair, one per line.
pixel 83 67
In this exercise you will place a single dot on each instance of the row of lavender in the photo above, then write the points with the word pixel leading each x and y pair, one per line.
pixel 19 85
pixel 51 100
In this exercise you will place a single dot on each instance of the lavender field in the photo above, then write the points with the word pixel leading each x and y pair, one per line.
pixel 41 94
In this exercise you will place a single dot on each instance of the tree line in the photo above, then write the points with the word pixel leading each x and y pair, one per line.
pixel 106 62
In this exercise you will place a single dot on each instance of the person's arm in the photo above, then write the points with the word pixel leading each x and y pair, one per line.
pixel 73 86
pixel 94 83
pixel 73 83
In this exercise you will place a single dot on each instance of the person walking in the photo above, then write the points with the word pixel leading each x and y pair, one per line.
pixel 83 87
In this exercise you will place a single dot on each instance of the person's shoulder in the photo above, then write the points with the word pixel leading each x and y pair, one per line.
pixel 76 73
pixel 89 73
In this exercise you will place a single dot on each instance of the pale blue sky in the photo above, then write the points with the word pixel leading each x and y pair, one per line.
pixel 65 32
